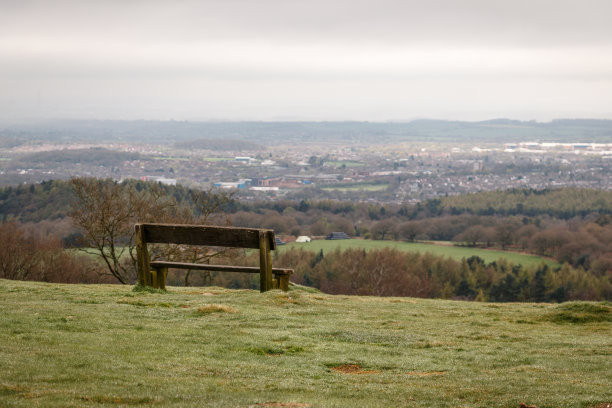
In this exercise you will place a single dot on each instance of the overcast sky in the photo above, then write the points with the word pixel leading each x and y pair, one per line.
pixel 311 59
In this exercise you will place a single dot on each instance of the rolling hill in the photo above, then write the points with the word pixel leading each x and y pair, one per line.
pixel 110 345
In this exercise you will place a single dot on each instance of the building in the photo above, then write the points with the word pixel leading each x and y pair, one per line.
pixel 337 235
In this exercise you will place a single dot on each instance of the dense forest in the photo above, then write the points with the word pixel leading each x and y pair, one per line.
pixel 389 272
pixel 573 226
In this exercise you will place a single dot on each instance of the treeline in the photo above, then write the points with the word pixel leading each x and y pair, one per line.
pixel 390 272
pixel 52 200
pixel 577 228
pixel 564 203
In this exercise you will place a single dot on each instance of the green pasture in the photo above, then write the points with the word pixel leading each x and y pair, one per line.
pixel 111 346
pixel 444 250
pixel 357 187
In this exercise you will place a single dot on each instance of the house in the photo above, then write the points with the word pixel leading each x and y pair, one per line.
pixel 338 235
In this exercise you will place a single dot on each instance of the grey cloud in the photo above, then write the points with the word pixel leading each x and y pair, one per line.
pixel 331 59
pixel 493 22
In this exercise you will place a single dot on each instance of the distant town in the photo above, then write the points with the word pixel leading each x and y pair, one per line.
pixel 362 171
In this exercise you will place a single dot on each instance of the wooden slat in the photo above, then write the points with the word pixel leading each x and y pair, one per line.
pixel 205 235
pixel 220 268
pixel 205 267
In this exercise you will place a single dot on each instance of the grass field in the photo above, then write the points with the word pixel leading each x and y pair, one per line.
pixel 445 250
pixel 104 345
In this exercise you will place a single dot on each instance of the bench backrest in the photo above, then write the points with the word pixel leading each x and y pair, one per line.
pixel 206 235
pixel 262 239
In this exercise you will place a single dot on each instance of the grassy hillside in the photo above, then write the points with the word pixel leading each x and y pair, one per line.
pixel 453 252
pixel 83 346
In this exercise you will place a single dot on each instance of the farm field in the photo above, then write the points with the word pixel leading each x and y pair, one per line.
pixel 93 345
pixel 445 250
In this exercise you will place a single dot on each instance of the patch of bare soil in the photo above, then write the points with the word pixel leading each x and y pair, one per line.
pixel 523 405
pixel 603 405
pixel 353 369
pixel 427 373
pixel 282 404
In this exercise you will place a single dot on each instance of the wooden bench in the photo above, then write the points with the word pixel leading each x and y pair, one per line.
pixel 154 273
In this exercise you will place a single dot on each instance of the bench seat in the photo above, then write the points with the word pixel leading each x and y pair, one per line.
pixel 219 268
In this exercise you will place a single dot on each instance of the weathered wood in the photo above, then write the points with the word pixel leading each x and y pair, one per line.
pixel 283 281
pixel 163 274
pixel 218 268
pixel 155 273
pixel 205 235
pixel 265 279
pixel 142 257
pixel 269 265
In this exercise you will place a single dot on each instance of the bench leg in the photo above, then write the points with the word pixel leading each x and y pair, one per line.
pixel 153 273
pixel 281 281
pixel 265 265
pixel 161 278
pixel 158 278
pixel 284 282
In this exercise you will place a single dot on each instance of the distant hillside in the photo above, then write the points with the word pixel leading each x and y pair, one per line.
pixel 94 156
pixel 221 145
pixel 500 130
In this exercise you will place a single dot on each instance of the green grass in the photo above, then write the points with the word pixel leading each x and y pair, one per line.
pixel 357 187
pixel 104 345
pixel 444 250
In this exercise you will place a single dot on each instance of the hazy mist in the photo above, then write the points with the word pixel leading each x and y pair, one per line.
pixel 319 60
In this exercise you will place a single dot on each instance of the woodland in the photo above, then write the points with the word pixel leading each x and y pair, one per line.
pixel 572 226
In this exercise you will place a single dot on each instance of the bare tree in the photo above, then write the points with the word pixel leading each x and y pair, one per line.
pixel 18 256
pixel 106 211
pixel 410 230
pixel 383 229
